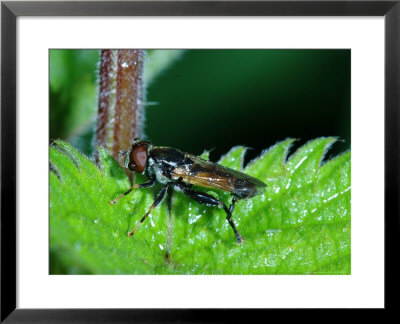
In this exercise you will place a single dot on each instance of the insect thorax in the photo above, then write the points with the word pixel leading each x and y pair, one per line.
pixel 155 169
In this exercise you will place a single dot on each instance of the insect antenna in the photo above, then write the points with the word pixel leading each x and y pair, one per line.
pixel 121 154
pixel 126 160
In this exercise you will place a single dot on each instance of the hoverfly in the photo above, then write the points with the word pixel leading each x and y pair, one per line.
pixel 172 167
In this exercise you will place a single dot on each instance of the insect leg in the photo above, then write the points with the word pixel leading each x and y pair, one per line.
pixel 154 205
pixel 209 200
pixel 170 225
pixel 230 221
pixel 139 185
pixel 232 205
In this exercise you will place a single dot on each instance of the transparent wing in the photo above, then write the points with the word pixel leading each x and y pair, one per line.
pixel 207 174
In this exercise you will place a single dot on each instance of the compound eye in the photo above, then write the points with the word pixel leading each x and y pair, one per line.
pixel 138 158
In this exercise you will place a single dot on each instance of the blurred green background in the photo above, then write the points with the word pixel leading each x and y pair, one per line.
pixel 215 99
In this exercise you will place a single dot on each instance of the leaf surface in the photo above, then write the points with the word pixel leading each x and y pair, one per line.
pixel 300 225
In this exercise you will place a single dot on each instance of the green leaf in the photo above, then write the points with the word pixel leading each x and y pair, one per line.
pixel 300 225
pixel 157 61
pixel 73 91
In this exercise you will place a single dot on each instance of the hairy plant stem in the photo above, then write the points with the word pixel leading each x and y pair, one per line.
pixel 119 118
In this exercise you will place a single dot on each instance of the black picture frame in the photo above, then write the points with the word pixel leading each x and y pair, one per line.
pixel 11 10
